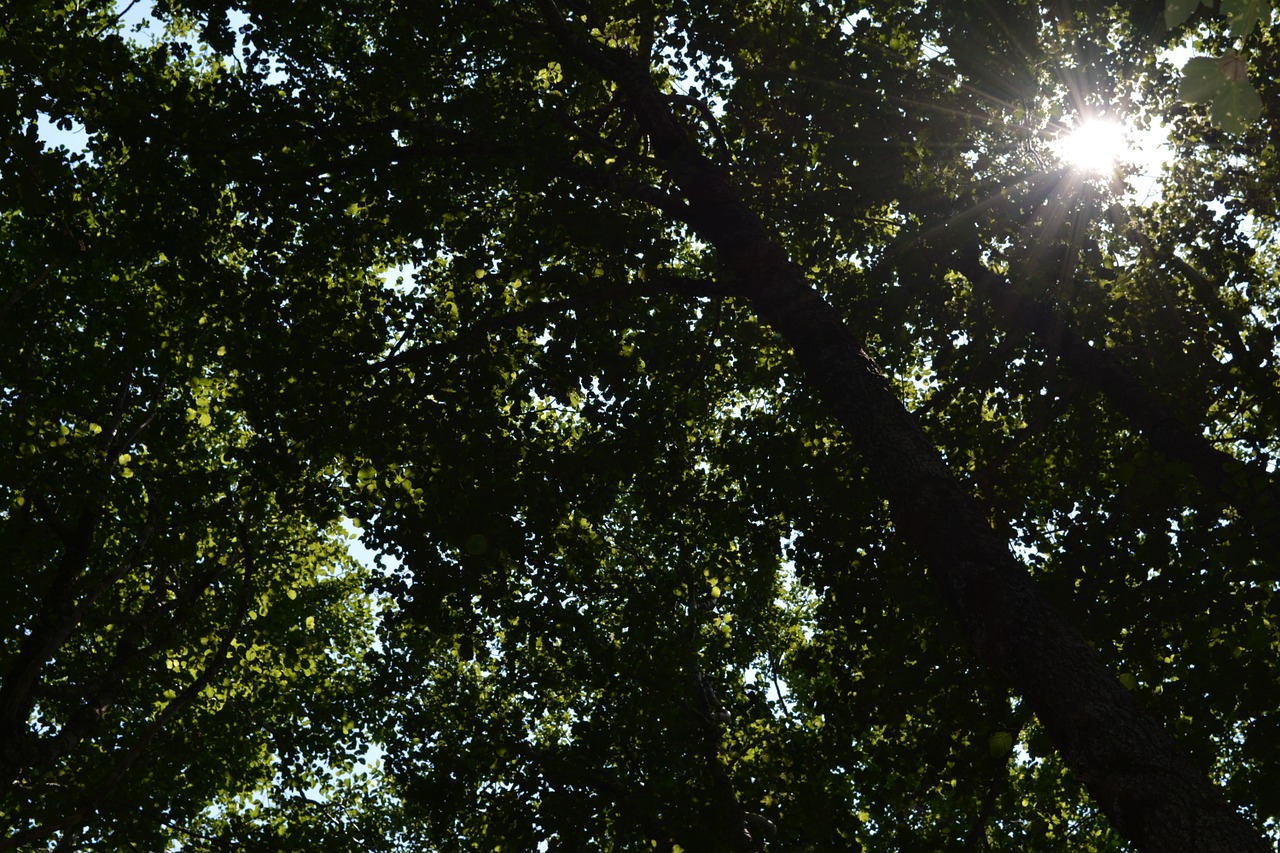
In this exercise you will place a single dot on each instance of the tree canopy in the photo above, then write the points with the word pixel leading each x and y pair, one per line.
pixel 757 436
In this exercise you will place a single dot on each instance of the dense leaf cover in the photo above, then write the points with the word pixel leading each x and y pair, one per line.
pixel 594 319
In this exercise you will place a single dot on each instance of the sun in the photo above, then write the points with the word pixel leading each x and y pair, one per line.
pixel 1096 146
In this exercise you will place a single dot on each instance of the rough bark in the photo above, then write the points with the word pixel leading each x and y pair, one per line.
pixel 1135 772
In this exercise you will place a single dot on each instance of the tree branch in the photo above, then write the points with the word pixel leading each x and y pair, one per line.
pixel 1256 494
pixel 100 790
pixel 637 804
pixel 710 714
pixel 655 283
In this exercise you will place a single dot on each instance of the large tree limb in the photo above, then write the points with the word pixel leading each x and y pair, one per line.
pixel 1136 773
pixel 1247 486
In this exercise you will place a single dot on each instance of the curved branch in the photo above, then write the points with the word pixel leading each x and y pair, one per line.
pixel 708 116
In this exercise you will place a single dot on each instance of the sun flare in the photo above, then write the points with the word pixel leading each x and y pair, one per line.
pixel 1096 146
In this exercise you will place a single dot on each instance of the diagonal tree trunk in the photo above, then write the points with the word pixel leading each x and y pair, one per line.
pixel 1139 777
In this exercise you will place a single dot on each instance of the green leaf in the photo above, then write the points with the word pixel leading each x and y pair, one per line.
pixel 1177 11
pixel 1242 15
pixel 1000 744
pixel 1224 82
pixel 1202 78
pixel 1236 106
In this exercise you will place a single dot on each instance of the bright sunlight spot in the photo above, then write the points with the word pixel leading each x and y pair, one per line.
pixel 1097 146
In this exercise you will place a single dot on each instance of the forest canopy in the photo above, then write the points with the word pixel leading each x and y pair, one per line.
pixel 639 425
